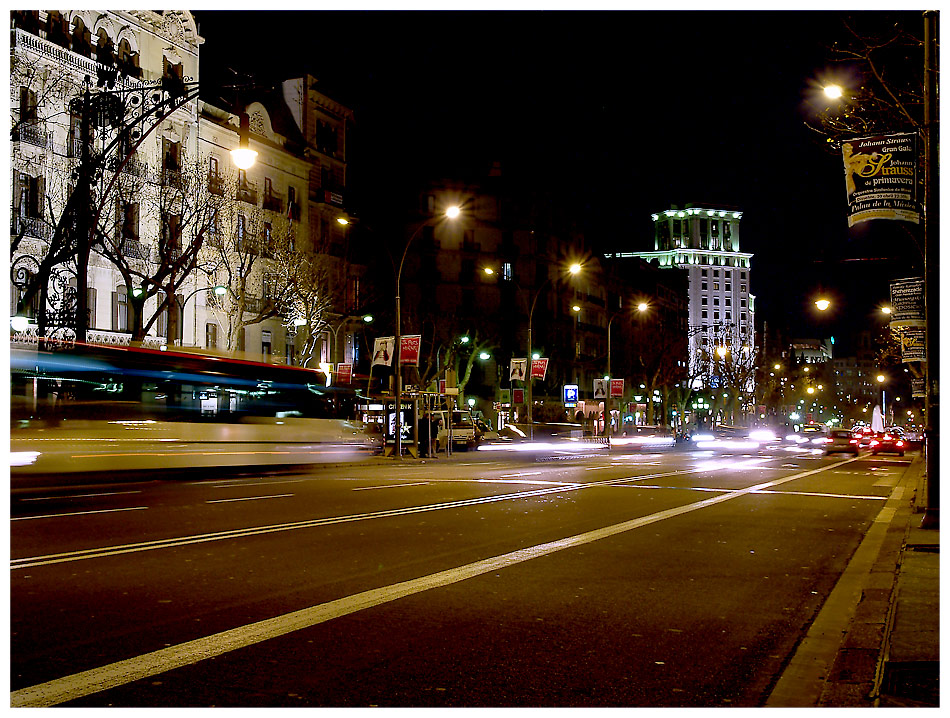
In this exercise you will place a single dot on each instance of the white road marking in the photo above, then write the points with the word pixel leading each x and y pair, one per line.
pixel 79 496
pixel 78 513
pixel 249 498
pixel 75 686
pixel 391 486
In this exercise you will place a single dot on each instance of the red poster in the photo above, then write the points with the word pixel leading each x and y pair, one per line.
pixel 616 388
pixel 539 368
pixel 344 373
pixel 409 349
pixel 517 396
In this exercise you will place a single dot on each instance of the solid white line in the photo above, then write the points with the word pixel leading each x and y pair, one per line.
pixel 248 498
pixel 121 673
pixel 79 496
pixel 79 513
pixel 391 486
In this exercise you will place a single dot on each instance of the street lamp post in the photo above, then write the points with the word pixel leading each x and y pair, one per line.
pixel 451 213
pixel 331 354
pixel 573 269
pixel 218 290
pixel 608 424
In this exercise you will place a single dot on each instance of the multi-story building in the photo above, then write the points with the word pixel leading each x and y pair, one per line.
pixel 295 189
pixel 705 242
pixel 528 243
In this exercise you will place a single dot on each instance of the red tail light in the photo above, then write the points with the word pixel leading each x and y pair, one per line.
pixel 874 442
pixel 853 441
pixel 900 443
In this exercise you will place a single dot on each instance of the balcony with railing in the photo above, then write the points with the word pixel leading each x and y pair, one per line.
pixel 35 227
pixel 216 184
pixel 274 202
pixel 133 249
pixel 32 132
pixel 246 192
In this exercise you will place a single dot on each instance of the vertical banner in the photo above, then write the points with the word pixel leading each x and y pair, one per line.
pixel 383 351
pixel 600 388
pixel 616 388
pixel 505 396
pixel 409 349
pixel 907 300
pixel 539 368
pixel 518 369
pixel 881 178
pixel 517 396
pixel 344 373
pixel 913 344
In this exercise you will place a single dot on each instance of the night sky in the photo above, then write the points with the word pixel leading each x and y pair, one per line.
pixel 621 113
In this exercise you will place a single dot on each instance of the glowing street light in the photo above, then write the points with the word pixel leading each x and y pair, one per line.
pixel 833 91
pixel 822 304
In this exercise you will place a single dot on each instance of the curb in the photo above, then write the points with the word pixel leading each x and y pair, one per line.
pixel 861 671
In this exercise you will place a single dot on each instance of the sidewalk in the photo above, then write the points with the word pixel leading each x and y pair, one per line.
pixel 890 654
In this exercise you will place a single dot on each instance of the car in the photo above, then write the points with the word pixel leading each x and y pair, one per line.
pixel 887 443
pixel 841 440
pixel 864 435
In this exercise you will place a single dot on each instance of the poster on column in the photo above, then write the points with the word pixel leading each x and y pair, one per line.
pixel 881 178
pixel 616 388
pixel 600 389
pixel 344 373
pixel 517 369
pixel 383 351
pixel 539 368
pixel 409 349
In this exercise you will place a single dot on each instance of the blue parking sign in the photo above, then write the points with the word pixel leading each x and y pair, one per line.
pixel 570 395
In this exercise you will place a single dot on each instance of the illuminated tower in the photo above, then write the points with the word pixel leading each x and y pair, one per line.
pixel 705 242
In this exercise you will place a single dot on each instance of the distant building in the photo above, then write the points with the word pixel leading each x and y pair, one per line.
pixel 811 351
pixel 704 242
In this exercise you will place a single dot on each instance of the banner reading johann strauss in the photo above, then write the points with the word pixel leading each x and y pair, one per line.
pixel 881 177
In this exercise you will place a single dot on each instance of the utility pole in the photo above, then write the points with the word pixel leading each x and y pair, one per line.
pixel 931 267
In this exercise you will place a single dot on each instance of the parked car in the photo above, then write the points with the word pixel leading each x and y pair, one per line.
pixel 841 440
pixel 887 443
pixel 463 429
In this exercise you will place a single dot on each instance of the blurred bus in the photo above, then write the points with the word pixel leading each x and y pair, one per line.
pixel 88 408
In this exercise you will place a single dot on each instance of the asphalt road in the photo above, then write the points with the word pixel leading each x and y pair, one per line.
pixel 682 578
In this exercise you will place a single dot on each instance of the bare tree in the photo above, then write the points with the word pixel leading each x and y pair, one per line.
pixel 884 93
pixel 157 259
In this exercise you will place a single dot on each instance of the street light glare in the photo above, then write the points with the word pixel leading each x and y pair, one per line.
pixel 220 290
pixel 834 91
pixel 643 306
pixel 452 212
pixel 489 270
pixel 822 304
pixel 243 157
pixel 343 220
pixel 575 268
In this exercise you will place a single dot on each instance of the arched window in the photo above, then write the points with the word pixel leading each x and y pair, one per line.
pixel 81 38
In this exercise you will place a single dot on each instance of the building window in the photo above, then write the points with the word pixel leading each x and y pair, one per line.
pixel 704 301
pixel 506 271
pixel 211 335
pixel 241 230
pixel 716 286
pixel 90 308
pixel 728 286
pixel 266 343
pixel 120 309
